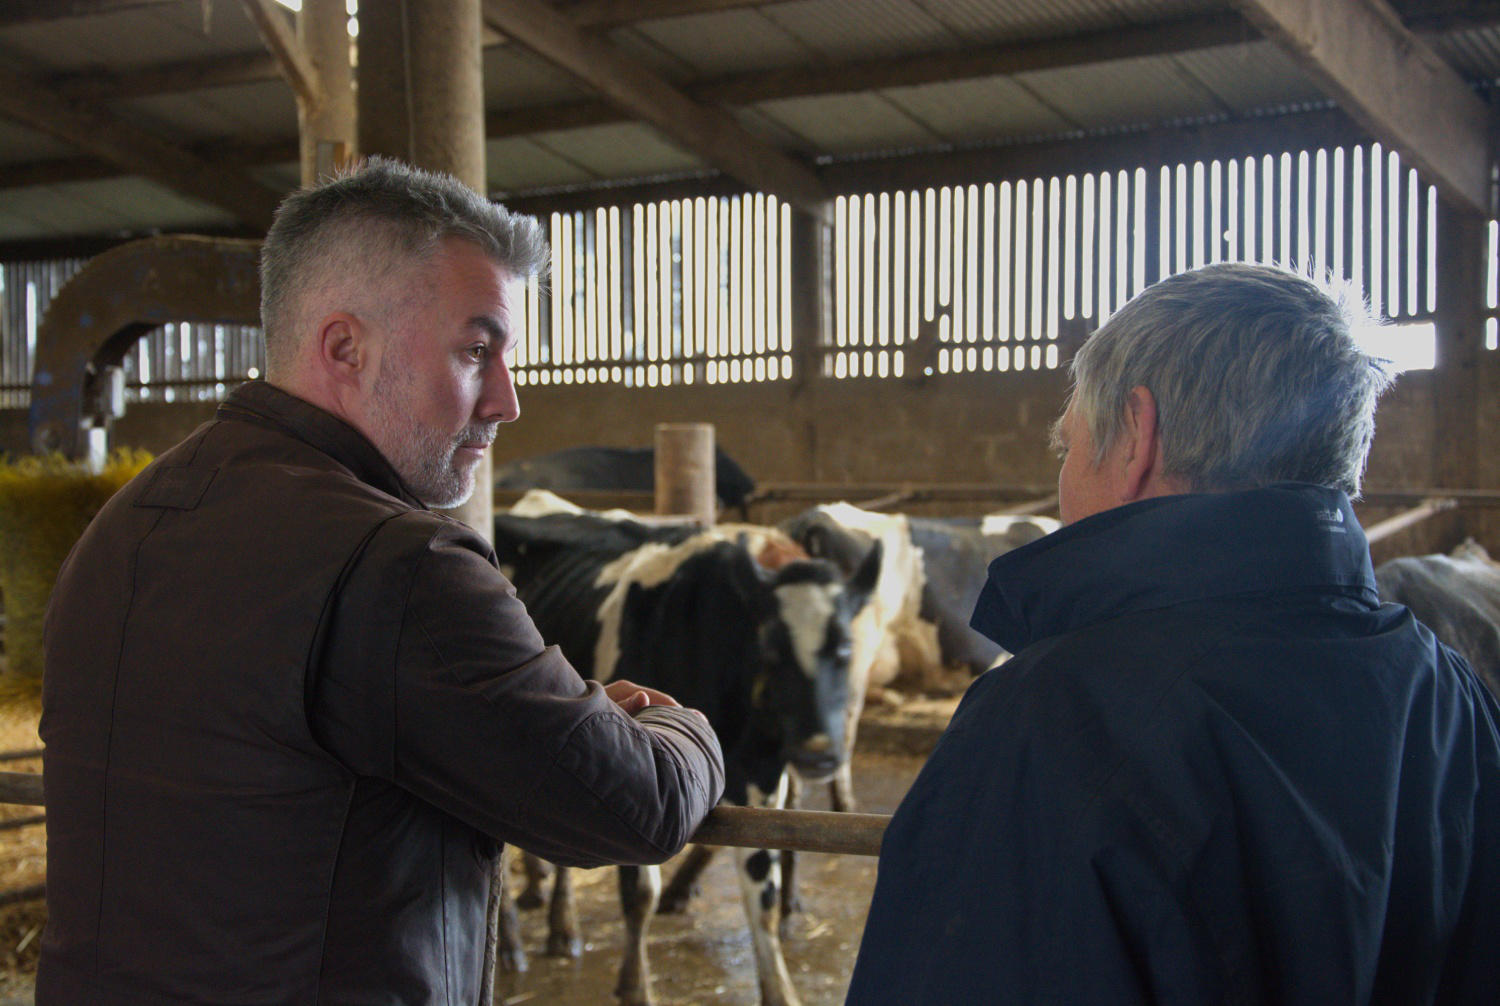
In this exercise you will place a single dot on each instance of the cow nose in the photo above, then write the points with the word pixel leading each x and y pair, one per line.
pixel 818 744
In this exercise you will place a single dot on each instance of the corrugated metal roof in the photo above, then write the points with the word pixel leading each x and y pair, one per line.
pixel 622 150
pixel 849 122
pixel 862 29
pixel 725 42
pixel 518 164
pixel 125 204
pixel 977 109
pixel 1250 78
pixel 515 77
pixel 249 110
pixel 135 36
pixel 780 35
pixel 1124 92
pixel 1475 52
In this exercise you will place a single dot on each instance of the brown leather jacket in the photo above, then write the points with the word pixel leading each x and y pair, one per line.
pixel 290 714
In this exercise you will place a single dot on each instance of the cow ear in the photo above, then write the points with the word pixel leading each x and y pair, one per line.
pixel 868 574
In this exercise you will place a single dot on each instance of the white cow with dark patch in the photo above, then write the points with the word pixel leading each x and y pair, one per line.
pixel 1456 596
pixel 764 654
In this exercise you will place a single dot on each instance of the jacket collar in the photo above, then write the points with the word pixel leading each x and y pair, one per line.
pixel 257 401
pixel 1174 549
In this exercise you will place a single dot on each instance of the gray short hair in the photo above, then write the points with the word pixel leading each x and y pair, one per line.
pixel 1256 376
pixel 370 221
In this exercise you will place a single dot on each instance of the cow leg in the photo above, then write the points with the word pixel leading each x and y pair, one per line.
pixel 684 883
pixel 841 787
pixel 537 871
pixel 760 878
pixel 790 903
pixel 640 887
pixel 510 956
pixel 562 917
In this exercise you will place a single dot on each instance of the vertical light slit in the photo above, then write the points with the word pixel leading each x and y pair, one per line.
pixel 1320 215
pixel 761 286
pixel 1303 254
pixel 971 264
pixel 883 310
pixel 1054 255
pixel 955 282
pixel 987 269
pixel 1163 224
pixel 900 267
pixel 616 300
pixel 1106 207
pixel 1086 309
pixel 1037 328
pixel 841 270
pixel 1393 223
pixel 1376 289
pixel 1357 219
pixel 1005 272
pixel 1288 190
pixel 1336 265
pixel 1215 236
pixel 1022 250
pixel 1413 228
pixel 870 278
pixel 1138 278
pixel 1070 247
pixel 1122 237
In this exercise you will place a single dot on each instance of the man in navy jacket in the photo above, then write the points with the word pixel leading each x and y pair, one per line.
pixel 1217 770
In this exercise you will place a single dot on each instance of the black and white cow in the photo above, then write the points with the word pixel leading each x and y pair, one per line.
pixel 613 468
pixel 930 579
pixel 764 654
pixel 946 568
pixel 1456 596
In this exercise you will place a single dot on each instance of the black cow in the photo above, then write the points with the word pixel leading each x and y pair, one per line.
pixel 763 654
pixel 1457 597
pixel 613 468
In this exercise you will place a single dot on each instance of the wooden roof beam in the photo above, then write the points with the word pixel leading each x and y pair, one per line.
pixel 134 149
pixel 18 12
pixel 1391 83
pixel 709 132
pixel 281 42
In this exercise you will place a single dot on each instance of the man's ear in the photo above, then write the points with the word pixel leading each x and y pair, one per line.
pixel 1142 472
pixel 343 349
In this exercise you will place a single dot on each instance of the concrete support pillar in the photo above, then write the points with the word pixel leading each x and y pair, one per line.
pixel 421 100
pixel 685 471
pixel 326 127
pixel 1461 253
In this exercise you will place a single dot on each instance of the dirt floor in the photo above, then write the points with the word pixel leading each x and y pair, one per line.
pixel 698 957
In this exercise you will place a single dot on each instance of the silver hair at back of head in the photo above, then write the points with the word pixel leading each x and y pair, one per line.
pixel 371 220
pixel 1256 376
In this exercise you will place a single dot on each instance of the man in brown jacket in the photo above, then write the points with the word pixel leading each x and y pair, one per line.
pixel 290 712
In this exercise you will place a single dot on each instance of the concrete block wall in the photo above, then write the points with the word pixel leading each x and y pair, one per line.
pixel 959 428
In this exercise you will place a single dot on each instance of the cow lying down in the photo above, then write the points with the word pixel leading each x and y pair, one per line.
pixel 1456 596
pixel 763 653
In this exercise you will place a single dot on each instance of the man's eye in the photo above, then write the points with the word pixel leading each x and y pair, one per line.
pixel 479 353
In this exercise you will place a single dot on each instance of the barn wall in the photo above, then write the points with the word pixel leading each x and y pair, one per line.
pixel 957 428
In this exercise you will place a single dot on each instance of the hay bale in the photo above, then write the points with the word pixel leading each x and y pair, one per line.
pixel 45 504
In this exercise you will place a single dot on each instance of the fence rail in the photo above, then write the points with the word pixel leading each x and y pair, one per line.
pixel 744 827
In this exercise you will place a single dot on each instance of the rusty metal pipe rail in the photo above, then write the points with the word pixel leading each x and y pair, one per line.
pixel 745 827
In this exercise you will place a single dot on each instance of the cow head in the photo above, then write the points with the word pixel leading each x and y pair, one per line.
pixel 801 691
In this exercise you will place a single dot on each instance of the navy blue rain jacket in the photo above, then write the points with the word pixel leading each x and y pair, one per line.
pixel 1216 771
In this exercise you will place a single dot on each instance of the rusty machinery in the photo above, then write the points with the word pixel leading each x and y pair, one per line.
pixel 77 386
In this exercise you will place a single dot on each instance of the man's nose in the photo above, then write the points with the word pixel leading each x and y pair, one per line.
pixel 498 401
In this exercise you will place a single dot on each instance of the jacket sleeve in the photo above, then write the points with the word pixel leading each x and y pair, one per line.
pixel 434 678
